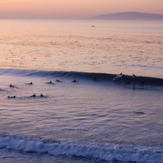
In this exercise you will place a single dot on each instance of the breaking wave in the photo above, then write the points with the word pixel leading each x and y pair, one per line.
pixel 107 152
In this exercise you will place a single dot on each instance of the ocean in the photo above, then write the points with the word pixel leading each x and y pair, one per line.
pixel 81 91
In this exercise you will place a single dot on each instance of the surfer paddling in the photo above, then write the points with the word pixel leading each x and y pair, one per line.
pixel 11 86
pixel 31 83
pixel 58 81
pixel 41 95
pixel 9 97
pixel 50 82
pixel 34 95
pixel 75 81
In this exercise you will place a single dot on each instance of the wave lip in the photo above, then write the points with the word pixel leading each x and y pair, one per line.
pixel 107 152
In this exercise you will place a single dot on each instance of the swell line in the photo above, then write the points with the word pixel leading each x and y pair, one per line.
pixel 116 78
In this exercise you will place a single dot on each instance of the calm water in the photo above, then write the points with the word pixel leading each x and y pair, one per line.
pixel 93 120
pixel 110 47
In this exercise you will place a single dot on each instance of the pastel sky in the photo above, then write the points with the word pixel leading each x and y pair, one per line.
pixel 75 8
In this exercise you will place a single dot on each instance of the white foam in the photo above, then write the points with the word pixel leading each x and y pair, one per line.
pixel 106 152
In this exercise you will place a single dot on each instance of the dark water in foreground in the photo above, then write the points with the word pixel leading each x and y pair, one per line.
pixel 94 119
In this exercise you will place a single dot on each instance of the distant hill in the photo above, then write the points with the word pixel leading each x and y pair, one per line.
pixel 130 16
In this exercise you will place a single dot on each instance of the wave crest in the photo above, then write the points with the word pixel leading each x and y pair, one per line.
pixel 125 79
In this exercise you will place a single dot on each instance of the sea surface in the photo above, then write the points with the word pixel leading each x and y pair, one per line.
pixel 63 98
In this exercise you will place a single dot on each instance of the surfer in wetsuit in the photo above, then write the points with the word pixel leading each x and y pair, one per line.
pixel 133 76
pixel 11 86
pixel 11 96
pixel 58 80
pixel 118 76
pixel 94 78
pixel 74 81
pixel 49 82
pixel 34 95
pixel 41 95
pixel 134 80
pixel 30 83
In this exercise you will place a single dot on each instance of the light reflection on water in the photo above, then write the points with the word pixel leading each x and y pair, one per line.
pixel 110 47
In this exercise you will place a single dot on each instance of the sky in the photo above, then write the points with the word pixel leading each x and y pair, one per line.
pixel 74 8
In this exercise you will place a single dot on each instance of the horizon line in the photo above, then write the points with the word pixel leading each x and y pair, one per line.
pixel 74 18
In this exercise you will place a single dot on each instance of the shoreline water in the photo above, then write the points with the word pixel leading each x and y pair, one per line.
pixel 94 151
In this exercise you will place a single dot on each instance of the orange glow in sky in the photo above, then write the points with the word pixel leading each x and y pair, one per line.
pixel 71 8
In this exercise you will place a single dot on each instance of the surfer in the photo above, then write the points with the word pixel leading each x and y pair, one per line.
pixel 94 78
pixel 134 80
pixel 118 76
pixel 11 96
pixel 41 95
pixel 11 86
pixel 58 80
pixel 29 83
pixel 34 95
pixel 74 81
pixel 133 76
pixel 139 112
pixel 50 82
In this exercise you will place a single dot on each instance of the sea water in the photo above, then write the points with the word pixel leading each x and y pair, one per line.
pixel 94 118
pixel 109 46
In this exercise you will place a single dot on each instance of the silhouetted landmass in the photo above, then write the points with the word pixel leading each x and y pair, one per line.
pixel 130 16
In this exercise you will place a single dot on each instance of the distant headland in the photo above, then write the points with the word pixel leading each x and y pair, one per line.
pixel 129 16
